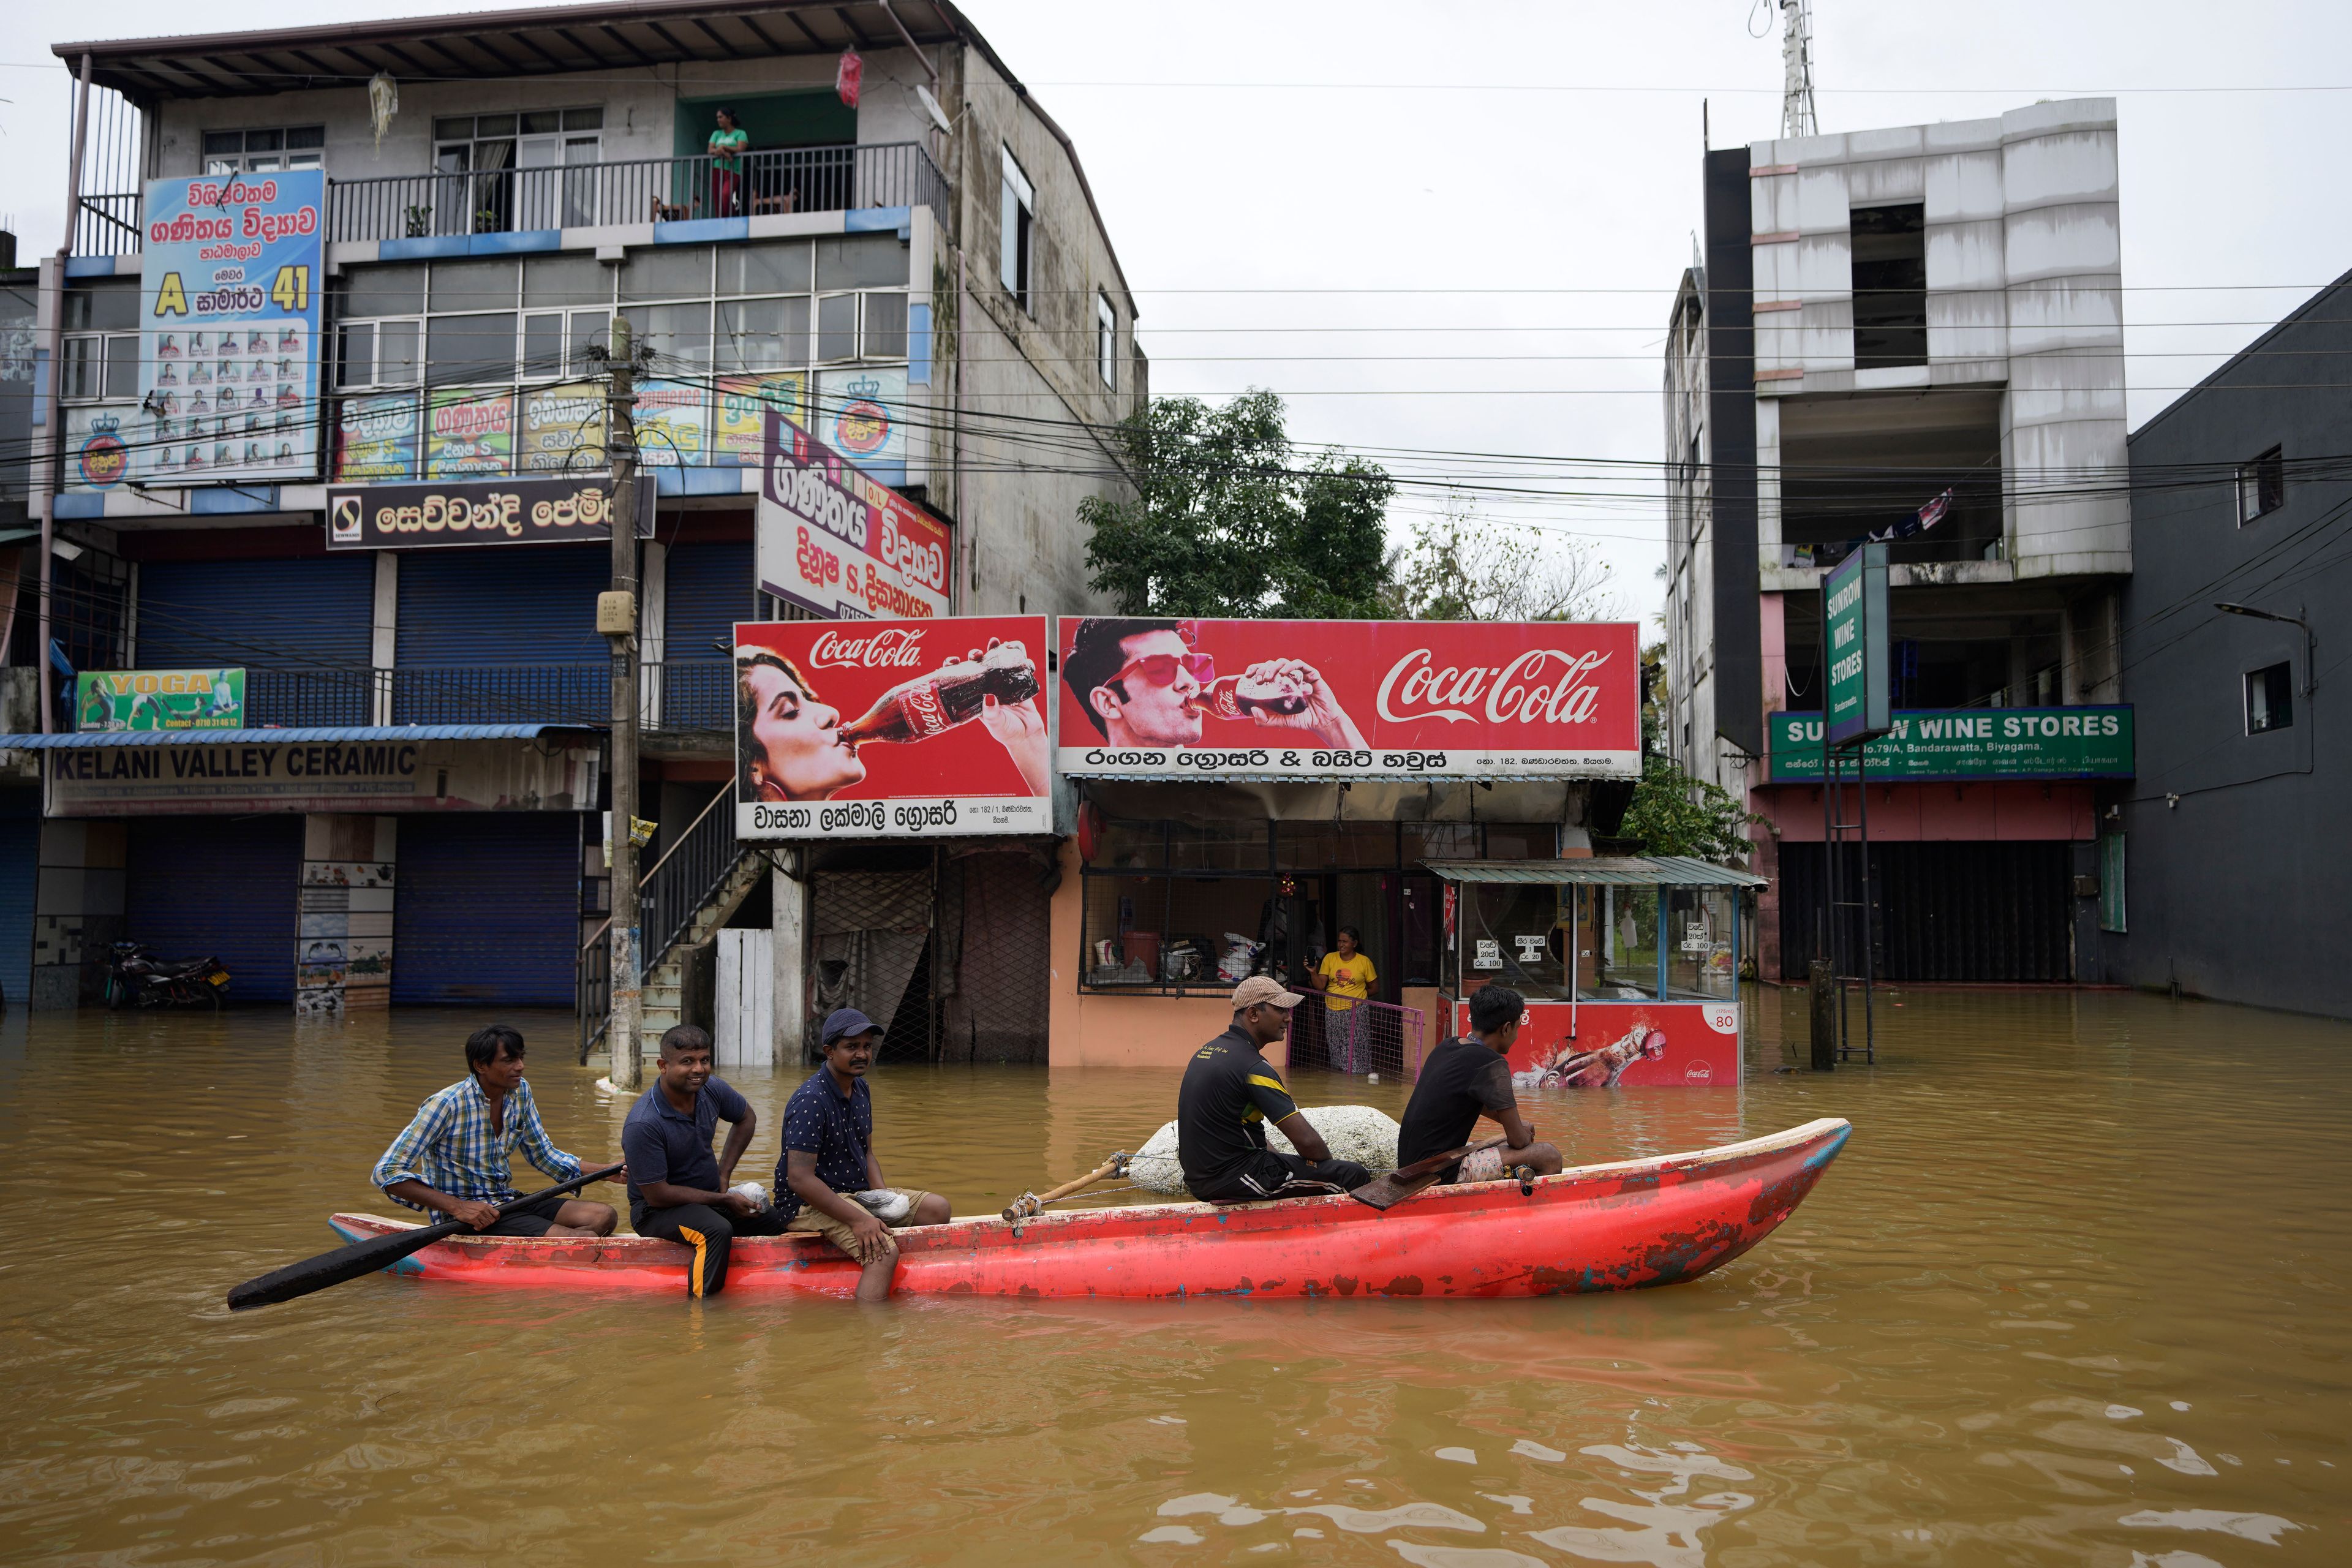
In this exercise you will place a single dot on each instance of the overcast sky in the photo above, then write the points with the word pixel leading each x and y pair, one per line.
pixel 1443 230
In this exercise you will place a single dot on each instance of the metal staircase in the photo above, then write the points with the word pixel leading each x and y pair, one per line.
pixel 700 880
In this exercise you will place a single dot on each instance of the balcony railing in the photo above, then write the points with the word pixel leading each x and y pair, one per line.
pixel 682 694
pixel 585 195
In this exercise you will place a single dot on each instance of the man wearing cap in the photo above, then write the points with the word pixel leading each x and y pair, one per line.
pixel 828 1171
pixel 1231 1091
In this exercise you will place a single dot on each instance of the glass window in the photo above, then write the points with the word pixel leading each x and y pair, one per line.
pixel 592 332
pixel 2262 486
pixel 107 307
pixel 123 365
pixel 306 136
pixel 542 121
pixel 762 334
pixel 83 365
pixel 780 268
pixel 677 336
pixel 583 120
pixel 542 345
pixel 355 358
pixel 2270 699
pixel 383 290
pixel 397 363
pixel 264 141
pixel 837 327
pixel 454 128
pixel 494 125
pixel 861 261
pixel 1164 933
pixel 886 326
pixel 566 281
pixel 473 286
pixel 463 349
pixel 1510 935
pixel 224 141
pixel 1616 944
pixel 668 271
pixel 1106 343
pixel 1702 962
pixel 1013 217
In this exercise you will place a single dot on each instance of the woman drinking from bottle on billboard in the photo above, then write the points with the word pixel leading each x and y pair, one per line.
pixel 792 747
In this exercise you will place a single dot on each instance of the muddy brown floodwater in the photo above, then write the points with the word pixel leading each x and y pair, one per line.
pixel 2075 1293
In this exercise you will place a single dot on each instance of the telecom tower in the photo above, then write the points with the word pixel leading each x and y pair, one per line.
pixel 1797 70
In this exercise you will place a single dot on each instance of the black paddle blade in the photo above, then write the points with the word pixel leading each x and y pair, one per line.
pixel 334 1267
pixel 1384 1193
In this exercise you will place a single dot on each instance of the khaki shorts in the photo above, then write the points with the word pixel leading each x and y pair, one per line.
pixel 844 1240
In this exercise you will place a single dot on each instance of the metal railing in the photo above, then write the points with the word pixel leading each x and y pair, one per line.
pixel 695 694
pixel 1370 1036
pixel 671 894
pixel 107 224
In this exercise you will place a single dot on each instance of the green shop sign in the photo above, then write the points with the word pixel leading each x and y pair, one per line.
pixel 159 700
pixel 1969 743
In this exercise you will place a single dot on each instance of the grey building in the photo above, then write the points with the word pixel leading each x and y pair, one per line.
pixel 2221 867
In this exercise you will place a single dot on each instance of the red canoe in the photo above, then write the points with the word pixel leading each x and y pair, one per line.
pixel 1598 1227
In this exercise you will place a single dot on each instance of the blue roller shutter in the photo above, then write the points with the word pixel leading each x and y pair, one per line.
pixel 302 629
pixel 487 909
pixel 709 589
pixel 497 635
pixel 227 886
pixel 20 862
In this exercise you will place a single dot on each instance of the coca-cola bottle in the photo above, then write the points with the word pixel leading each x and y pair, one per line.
pixel 1238 697
pixel 950 695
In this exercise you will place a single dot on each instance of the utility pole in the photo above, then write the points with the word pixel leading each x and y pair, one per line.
pixel 616 616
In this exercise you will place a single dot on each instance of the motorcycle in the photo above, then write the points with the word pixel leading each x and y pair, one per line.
pixel 135 977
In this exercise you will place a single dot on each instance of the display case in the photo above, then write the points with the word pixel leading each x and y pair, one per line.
pixel 1630 966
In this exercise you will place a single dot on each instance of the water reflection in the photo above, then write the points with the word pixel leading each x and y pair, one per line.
pixel 2074 1292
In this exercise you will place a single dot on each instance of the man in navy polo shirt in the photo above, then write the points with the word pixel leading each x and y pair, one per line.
pixel 829 1155
pixel 677 1190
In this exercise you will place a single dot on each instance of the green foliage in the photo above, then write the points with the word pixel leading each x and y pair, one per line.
pixel 1675 814
pixel 1226 522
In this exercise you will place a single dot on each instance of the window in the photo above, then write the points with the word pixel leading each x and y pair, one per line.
pixel 259 151
pixel 509 170
pixel 1012 233
pixel 2262 486
pixel 2270 699
pixel 1890 286
pixel 101 345
pixel 1107 342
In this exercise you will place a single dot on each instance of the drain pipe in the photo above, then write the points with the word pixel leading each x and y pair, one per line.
pixel 46 476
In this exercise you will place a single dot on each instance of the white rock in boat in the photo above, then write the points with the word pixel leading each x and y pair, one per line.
pixel 1358 1132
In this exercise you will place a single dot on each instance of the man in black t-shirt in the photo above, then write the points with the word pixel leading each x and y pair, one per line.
pixel 1469 1077
pixel 1230 1092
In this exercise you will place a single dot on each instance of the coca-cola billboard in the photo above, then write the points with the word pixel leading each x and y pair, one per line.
pixel 1144 698
pixel 839 543
pixel 929 729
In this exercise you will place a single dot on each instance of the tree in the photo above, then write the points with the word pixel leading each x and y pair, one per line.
pixel 1675 814
pixel 1226 520
pixel 1461 568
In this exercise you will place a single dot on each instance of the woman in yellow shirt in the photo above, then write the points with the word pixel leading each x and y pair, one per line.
pixel 1345 977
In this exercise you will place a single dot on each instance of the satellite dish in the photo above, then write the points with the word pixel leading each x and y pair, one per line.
pixel 931 106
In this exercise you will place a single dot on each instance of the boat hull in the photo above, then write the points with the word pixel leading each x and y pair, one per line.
pixel 1620 1226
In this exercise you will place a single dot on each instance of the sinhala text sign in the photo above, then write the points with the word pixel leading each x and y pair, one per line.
pixel 1971 743
pixel 1391 699
pixel 479 511
pixel 862 731
pixel 229 353
pixel 840 543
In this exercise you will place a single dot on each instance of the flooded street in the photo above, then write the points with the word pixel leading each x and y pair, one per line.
pixel 2078 1290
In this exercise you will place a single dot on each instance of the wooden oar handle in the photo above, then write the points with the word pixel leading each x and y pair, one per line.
pixel 1028 1204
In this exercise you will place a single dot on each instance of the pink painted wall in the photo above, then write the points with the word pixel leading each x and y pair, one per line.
pixel 1986 812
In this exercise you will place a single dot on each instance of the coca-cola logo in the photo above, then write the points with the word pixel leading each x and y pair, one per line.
pixel 895 649
pixel 923 709
pixel 1542 683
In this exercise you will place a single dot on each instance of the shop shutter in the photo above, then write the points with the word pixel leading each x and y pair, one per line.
pixel 487 909
pixel 709 589
pixel 494 633
pixel 301 629
pixel 20 860
pixel 227 886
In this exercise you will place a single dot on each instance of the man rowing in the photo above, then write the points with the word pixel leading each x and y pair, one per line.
pixel 1469 1077
pixel 828 1174
pixel 452 1158
pixel 677 1189
pixel 1230 1092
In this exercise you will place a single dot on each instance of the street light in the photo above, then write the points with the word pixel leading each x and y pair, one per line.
pixel 2310 643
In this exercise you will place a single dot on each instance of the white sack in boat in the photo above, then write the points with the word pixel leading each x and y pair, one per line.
pixel 1358 1132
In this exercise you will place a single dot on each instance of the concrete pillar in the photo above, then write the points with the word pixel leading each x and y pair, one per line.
pixel 790 954
pixel 384 637
pixel 77 908
pixel 342 957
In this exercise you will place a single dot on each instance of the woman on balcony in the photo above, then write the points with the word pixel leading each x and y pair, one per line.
pixel 727 145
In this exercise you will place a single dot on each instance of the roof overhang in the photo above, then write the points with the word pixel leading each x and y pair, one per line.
pixel 503 45
pixel 1615 870
pixel 353 735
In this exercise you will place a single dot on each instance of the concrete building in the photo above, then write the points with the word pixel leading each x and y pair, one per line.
pixel 913 269
pixel 2216 866
pixel 1884 319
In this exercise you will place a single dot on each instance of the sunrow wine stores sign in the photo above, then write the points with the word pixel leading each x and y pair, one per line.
pixel 1389 699
pixel 1969 743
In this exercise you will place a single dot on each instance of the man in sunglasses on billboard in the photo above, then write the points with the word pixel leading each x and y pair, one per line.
pixel 1142 684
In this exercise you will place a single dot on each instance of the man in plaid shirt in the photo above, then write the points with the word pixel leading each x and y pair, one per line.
pixel 452 1159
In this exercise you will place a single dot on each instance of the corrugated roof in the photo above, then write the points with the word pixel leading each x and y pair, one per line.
pixel 116 740
pixel 1625 871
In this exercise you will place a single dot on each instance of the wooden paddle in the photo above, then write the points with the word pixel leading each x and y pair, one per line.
pixel 1384 1193
pixel 377 1252
pixel 1028 1205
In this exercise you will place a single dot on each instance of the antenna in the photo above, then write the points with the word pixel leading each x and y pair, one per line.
pixel 1797 70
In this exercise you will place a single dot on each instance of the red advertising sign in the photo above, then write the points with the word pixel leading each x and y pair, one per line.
pixel 1628 1045
pixel 854 730
pixel 840 543
pixel 1238 700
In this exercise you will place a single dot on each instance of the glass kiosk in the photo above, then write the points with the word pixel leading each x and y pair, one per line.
pixel 1630 966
